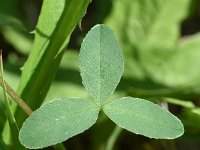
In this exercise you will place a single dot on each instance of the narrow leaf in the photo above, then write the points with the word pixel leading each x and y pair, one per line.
pixel 56 22
pixel 57 121
pixel 143 117
pixel 11 119
pixel 101 63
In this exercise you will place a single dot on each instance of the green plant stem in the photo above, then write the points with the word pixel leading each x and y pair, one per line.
pixel 59 146
pixel 185 104
pixel 113 137
pixel 181 93
pixel 7 104
pixel 15 97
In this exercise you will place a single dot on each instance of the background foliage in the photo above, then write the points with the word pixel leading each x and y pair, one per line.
pixel 160 43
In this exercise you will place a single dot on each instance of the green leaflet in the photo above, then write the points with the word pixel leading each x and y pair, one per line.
pixel 101 63
pixel 143 117
pixel 57 121
pixel 56 22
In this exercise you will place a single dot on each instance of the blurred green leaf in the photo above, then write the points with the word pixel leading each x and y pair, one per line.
pixel 143 117
pixel 2 145
pixel 149 23
pixel 155 58
pixel 57 121
pixel 177 68
pixel 101 63
pixel 196 111
pixel 13 27
pixel 23 42
pixel 191 120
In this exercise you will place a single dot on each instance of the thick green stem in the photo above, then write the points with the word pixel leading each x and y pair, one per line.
pixel 113 138
pixel 59 146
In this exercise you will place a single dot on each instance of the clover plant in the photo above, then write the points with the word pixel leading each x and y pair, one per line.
pixel 101 67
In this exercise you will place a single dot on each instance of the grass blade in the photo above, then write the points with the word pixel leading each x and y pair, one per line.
pixel 12 123
pixel 56 22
